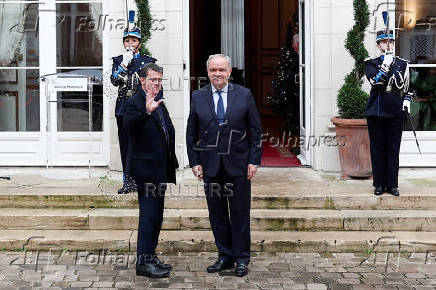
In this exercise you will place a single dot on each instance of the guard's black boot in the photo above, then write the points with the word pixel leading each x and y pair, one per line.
pixel 124 189
pixel 378 190
pixel 132 185
pixel 151 269
pixel 128 186
pixel 394 191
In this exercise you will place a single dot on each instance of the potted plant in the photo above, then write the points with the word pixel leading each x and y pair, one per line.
pixel 351 127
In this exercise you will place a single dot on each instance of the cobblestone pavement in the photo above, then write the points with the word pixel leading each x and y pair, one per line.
pixel 81 270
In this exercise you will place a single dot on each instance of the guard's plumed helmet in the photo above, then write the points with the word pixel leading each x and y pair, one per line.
pixel 381 35
pixel 135 32
pixel 386 33
pixel 132 30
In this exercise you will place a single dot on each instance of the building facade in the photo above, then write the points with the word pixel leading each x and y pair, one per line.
pixel 40 126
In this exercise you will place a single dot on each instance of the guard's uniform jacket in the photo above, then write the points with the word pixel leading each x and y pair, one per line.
pixel 382 103
pixel 126 81
pixel 120 75
pixel 384 113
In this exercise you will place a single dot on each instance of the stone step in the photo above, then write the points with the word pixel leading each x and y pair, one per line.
pixel 259 201
pixel 89 244
pixel 197 219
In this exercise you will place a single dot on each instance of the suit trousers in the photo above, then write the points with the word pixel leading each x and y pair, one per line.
pixel 229 201
pixel 123 138
pixel 385 139
pixel 151 208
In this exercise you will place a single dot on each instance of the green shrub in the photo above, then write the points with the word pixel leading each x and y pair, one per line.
pixel 144 22
pixel 352 99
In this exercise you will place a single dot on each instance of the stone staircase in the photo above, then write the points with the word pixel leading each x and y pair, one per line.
pixel 295 210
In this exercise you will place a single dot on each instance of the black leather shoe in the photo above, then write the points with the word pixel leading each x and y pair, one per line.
pixel 379 190
pixel 241 270
pixel 124 189
pixel 220 265
pixel 394 191
pixel 152 271
pixel 163 265
pixel 128 186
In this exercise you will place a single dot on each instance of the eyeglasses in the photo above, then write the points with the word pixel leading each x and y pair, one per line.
pixel 154 80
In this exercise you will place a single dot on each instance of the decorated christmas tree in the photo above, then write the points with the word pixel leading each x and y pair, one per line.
pixel 286 90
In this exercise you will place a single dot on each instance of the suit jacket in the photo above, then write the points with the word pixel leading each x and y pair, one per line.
pixel 237 143
pixel 380 103
pixel 150 157
pixel 135 66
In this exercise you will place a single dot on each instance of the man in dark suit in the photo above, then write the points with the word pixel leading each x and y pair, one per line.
pixel 152 163
pixel 224 148
pixel 124 69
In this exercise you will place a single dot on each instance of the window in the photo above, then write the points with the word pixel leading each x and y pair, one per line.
pixel 79 34
pixel 19 71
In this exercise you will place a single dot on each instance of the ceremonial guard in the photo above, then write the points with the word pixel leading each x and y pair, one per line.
pixel 389 100
pixel 125 75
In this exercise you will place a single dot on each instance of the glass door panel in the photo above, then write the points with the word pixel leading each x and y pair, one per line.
pixel 423 107
pixel 19 100
pixel 79 34
pixel 416 42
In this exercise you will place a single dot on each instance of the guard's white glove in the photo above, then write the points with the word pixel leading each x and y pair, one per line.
pixel 388 59
pixel 127 58
pixel 406 106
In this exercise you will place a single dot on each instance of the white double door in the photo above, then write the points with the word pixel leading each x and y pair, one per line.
pixel 66 137
pixel 63 138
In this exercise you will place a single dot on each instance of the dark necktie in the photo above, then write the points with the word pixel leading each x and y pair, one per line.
pixel 220 112
pixel 164 124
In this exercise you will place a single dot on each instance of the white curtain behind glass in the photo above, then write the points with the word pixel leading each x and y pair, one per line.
pixel 11 28
pixel 232 31
pixel 96 13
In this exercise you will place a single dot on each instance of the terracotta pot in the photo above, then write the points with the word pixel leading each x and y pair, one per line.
pixel 354 153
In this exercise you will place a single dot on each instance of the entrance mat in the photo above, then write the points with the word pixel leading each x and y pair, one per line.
pixel 278 156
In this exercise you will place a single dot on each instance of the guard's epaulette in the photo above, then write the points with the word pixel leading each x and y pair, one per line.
pixel 371 58
pixel 402 59
pixel 149 56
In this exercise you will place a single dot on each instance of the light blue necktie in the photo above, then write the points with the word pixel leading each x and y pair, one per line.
pixel 220 112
